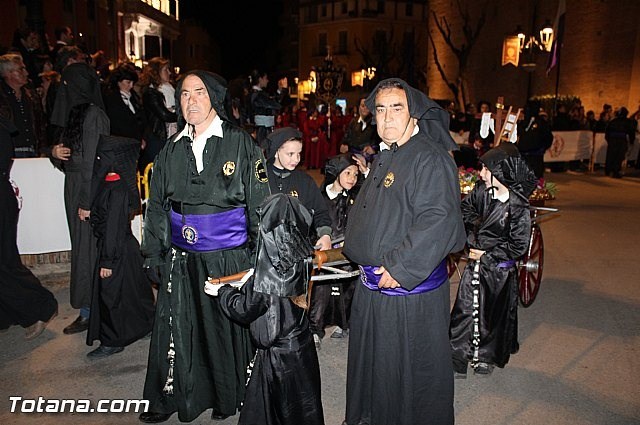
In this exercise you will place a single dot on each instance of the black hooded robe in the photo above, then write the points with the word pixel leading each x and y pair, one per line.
pixel 503 233
pixel 211 351
pixel 406 218
pixel 80 87
pixel 122 305
pixel 23 299
pixel 284 387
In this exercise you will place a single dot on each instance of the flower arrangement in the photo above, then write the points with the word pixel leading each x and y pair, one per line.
pixel 468 178
pixel 544 191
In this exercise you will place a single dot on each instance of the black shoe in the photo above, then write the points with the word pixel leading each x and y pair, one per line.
pixel 460 375
pixel 217 416
pixel 104 351
pixel 483 369
pixel 81 324
pixel 154 417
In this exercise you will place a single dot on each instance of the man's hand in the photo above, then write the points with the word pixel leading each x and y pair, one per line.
pixel 105 273
pixel 84 215
pixel 386 281
pixel 61 152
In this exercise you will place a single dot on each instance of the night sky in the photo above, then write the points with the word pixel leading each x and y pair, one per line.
pixel 245 30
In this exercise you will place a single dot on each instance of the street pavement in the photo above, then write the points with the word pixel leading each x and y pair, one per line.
pixel 579 360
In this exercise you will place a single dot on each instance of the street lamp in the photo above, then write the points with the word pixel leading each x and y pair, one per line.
pixel 358 77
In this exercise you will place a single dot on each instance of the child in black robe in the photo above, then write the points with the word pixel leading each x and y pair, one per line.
pixel 122 304
pixel 284 384
pixel 484 322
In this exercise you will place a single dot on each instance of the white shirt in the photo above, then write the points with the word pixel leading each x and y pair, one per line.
pixel 198 144
pixel 126 98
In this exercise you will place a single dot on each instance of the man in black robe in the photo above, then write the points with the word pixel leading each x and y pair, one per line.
pixel 404 223
pixel 201 221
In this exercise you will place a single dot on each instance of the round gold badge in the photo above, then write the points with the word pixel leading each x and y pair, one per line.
pixel 261 172
pixel 389 179
pixel 228 168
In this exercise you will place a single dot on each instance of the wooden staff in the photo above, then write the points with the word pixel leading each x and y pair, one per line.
pixel 319 258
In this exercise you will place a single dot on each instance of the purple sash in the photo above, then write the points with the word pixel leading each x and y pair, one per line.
pixel 209 232
pixel 507 264
pixel 435 279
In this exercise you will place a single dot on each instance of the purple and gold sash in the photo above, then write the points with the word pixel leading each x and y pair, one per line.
pixel 435 280
pixel 209 232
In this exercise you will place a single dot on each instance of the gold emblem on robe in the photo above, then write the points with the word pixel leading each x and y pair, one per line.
pixel 261 172
pixel 228 168
pixel 389 179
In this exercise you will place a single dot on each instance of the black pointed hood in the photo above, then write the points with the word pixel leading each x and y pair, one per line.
pixel 284 258
pixel 510 169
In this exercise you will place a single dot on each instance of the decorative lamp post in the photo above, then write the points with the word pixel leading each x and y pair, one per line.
pixel 521 49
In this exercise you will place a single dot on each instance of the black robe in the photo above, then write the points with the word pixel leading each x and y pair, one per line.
pixel 211 352
pixel 502 230
pixel 284 387
pixel 23 300
pixel 406 218
pixel 122 305
pixel 331 299
pixel 78 171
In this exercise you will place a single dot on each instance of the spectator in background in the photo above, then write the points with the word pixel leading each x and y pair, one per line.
pixel 316 144
pixel 591 121
pixel 80 111
pixel 361 136
pixel 603 119
pixel 26 43
pixel 64 37
pixel 534 137
pixel 23 299
pixel 562 121
pixel 263 108
pixel 619 134
pixel 157 114
pixel 21 104
pixel 122 104
pixel 66 56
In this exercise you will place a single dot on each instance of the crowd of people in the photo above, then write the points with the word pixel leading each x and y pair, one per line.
pixel 535 127
pixel 228 193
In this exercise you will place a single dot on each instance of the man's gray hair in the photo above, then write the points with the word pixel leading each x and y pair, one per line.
pixel 9 62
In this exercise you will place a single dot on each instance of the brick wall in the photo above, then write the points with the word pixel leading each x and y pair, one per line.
pixel 599 57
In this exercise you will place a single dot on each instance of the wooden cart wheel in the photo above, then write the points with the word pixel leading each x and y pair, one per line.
pixel 530 267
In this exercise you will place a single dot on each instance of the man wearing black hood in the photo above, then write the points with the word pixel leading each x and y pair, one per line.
pixel 201 221
pixel 79 111
pixel 404 223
